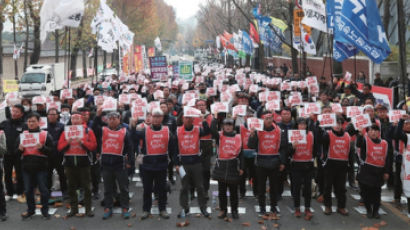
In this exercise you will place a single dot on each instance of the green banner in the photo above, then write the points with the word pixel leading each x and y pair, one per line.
pixel 186 70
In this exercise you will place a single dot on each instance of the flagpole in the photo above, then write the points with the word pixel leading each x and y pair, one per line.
pixel 355 74
pixel 69 58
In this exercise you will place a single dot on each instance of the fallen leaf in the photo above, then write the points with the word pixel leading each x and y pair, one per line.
pixel 246 224
pixel 198 215
pixel 370 228
pixel 228 219
pixel 133 214
pixel 275 225
pixel 57 216
pixel 58 204
pixel 383 223
pixel 129 225
pixel 263 227
pixel 72 228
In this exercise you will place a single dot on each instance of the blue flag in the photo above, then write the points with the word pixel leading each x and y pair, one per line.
pixel 342 49
pixel 360 24
pixel 247 44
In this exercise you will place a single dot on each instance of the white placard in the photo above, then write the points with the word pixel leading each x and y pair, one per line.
pixel 239 110
pixel 337 108
pixel 352 111
pixel 54 104
pixel 66 93
pixel 219 107
pixel 395 115
pixel 313 108
pixel 256 123
pixel 79 103
pixel 191 112
pixel 43 123
pixel 298 136
pixel 272 105
pixel 361 121
pixel 139 112
pixel 327 120
pixel 110 104
pixel 29 139
pixel 74 132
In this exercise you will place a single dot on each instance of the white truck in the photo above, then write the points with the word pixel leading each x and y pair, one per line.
pixel 41 79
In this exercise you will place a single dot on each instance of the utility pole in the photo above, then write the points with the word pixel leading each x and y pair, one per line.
pixel 16 71
pixel 402 45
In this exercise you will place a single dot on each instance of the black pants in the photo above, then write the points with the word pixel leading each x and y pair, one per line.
pixel 206 155
pixel 95 177
pixel 398 185
pixel 335 179
pixel 249 172
pixel 57 164
pixel 112 176
pixel 10 162
pixel 192 179
pixel 2 198
pixel 272 175
pixel 78 178
pixel 283 176
pixel 233 196
pixel 371 196
pixel 157 181
pixel 319 178
pixel 301 178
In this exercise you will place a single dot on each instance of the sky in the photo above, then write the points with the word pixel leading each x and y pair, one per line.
pixel 185 8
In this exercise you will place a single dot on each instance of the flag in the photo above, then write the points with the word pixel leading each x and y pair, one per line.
pixel 91 53
pixel 314 14
pixel 308 44
pixel 55 14
pixel 151 52
pixel 157 43
pixel 227 41
pixel 247 43
pixel 253 33
pixel 237 43
pixel 17 51
pixel 279 23
pixel 342 49
pixel 138 59
pixel 360 24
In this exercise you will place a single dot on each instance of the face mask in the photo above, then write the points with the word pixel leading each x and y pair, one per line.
pixel 34 108
pixel 26 108
pixel 202 90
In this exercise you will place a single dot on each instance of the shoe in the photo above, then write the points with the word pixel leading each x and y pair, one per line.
pixel 26 215
pixel 320 199
pixel 297 213
pixel 376 214
pixel 242 195
pixel 7 198
pixel 172 181
pixel 164 214
pixel 369 213
pixel 3 218
pixel 222 215
pixel 145 215
pixel 343 211
pixel 308 214
pixel 15 196
pixel 397 203
pixel 328 211
pixel 183 213
pixel 235 215
pixel 262 213
pixel 107 213
pixel 46 216
pixel 89 213
pixel 71 214
pixel 205 213
pixel 96 196
pixel 21 199
pixel 125 213
pixel 353 186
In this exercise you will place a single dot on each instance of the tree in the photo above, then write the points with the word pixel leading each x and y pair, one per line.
pixel 34 11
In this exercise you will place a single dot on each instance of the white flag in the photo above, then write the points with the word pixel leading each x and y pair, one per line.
pixel 55 14
pixel 314 14
pixel 158 45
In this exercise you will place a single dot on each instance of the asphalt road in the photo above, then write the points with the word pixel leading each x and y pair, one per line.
pixel 355 220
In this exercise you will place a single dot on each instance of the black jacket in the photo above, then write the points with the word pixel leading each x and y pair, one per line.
pixel 12 130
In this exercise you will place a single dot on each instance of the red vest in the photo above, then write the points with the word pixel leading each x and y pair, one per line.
pixel 188 141
pixel 376 153
pixel 303 152
pixel 245 133
pixel 113 141
pixel 339 147
pixel 198 122
pixel 269 141
pixel 33 151
pixel 229 147
pixel 157 141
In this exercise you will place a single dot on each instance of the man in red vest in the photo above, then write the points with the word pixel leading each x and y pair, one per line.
pixel 272 150
pixel 188 160
pixel 335 160
pixel 158 145
pixel 35 150
pixel 77 156
pixel 116 157
pixel 375 164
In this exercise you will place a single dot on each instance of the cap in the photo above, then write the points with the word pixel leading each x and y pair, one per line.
pixel 228 121
pixel 301 120
pixel 113 114
pixel 368 107
pixel 157 112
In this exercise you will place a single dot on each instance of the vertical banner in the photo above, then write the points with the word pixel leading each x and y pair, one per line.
pixel 125 64
pixel 138 59
pixel 185 70
pixel 151 52
pixel 159 67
